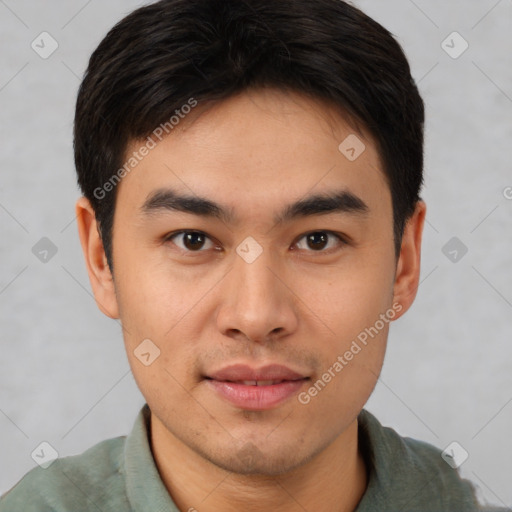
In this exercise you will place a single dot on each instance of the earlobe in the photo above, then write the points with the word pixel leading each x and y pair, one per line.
pixel 99 272
pixel 409 263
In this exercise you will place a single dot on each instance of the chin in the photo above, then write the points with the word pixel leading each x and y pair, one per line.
pixel 250 460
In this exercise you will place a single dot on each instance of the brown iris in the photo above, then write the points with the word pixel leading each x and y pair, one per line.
pixel 317 240
pixel 194 240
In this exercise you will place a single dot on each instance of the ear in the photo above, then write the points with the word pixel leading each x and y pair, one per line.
pixel 408 267
pixel 95 259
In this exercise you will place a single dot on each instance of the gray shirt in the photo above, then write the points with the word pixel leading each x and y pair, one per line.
pixel 120 475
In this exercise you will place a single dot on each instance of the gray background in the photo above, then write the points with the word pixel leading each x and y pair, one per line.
pixel 64 376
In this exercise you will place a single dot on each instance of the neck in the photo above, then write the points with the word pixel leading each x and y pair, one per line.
pixel 332 481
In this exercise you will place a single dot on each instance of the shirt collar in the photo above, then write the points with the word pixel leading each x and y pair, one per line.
pixel 398 476
pixel 407 474
pixel 144 487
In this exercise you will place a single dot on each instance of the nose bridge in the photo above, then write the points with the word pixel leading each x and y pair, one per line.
pixel 256 284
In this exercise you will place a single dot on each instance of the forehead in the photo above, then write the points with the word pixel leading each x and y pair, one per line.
pixel 257 145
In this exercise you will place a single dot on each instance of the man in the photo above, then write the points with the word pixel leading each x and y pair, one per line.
pixel 251 172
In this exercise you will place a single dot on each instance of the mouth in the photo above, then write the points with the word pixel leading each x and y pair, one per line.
pixel 256 389
pixel 257 382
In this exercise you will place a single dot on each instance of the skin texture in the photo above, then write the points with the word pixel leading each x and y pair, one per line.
pixel 297 304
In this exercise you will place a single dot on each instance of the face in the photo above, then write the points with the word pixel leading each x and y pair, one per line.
pixel 278 270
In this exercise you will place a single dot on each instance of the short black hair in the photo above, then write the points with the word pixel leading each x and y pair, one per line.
pixel 171 53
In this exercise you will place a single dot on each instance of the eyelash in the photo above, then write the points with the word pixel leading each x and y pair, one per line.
pixel 341 239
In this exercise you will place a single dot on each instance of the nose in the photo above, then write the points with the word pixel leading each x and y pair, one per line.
pixel 257 303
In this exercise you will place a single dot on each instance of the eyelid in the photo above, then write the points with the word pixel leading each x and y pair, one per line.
pixel 342 239
pixel 170 236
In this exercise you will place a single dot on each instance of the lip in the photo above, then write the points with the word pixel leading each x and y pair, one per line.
pixel 232 384
pixel 241 372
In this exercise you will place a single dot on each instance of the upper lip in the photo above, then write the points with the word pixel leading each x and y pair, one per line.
pixel 243 372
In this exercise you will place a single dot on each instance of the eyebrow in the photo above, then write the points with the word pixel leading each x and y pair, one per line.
pixel 342 201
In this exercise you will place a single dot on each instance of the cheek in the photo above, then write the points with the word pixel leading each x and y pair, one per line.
pixel 354 310
pixel 153 299
pixel 350 370
pixel 165 308
pixel 348 298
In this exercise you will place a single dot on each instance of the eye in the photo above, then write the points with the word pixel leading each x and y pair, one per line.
pixel 191 241
pixel 317 241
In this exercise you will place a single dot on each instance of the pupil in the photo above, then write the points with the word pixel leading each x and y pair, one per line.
pixel 194 240
pixel 317 238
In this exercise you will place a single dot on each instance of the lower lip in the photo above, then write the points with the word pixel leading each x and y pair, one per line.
pixel 256 398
